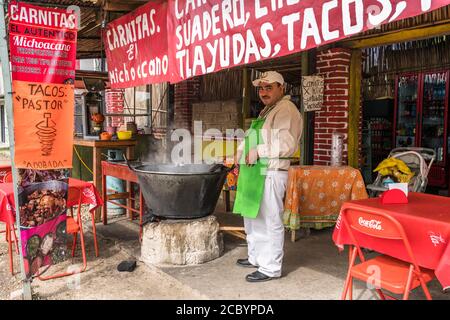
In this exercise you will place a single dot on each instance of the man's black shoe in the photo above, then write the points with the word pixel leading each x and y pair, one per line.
pixel 258 277
pixel 245 263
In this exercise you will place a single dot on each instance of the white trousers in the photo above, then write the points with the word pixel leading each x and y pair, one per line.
pixel 265 234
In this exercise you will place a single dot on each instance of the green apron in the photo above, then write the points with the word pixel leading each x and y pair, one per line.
pixel 250 184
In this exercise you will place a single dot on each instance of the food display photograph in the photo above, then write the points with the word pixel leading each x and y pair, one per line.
pixel 30 176
pixel 46 247
pixel 42 202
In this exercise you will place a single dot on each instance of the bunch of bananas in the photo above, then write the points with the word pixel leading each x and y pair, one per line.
pixel 395 167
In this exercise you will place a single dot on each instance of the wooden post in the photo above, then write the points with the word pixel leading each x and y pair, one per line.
pixel 246 96
pixel 303 146
pixel 354 107
pixel 97 176
pixel 398 36
pixel 307 142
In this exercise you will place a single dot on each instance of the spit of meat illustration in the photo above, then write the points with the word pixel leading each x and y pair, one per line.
pixel 47 134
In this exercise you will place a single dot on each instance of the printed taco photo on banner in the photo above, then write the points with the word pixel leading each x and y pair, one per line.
pixel 43 207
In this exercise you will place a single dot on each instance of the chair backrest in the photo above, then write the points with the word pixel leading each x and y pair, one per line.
pixel 375 224
pixel 74 196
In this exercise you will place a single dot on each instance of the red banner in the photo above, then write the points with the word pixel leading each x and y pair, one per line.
pixel 43 55
pixel 208 36
pixel 136 47
pixel 42 44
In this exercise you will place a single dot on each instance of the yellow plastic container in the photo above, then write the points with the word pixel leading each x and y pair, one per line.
pixel 124 135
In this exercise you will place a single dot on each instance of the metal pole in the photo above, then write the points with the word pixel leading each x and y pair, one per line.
pixel 4 58
pixel 149 104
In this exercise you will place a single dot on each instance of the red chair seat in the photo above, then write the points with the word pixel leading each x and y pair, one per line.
pixel 393 273
pixel 71 225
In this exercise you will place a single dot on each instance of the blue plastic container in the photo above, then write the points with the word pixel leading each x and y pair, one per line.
pixel 115 184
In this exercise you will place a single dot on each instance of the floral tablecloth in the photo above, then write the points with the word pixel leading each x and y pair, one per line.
pixel 232 176
pixel 314 194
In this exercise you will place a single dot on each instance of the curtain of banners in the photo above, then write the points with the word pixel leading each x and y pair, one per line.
pixel 178 39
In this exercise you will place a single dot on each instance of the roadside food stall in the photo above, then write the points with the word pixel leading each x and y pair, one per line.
pixel 189 41
pixel 339 92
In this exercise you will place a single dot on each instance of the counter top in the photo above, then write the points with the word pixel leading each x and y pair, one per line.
pixel 103 143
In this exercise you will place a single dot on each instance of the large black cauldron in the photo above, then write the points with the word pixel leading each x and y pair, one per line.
pixel 181 191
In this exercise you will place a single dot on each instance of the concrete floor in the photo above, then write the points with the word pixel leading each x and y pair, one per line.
pixel 101 280
pixel 313 269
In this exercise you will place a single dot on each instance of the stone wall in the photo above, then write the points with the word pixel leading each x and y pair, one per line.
pixel 221 115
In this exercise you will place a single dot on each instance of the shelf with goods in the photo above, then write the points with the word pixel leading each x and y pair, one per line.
pixel 377 143
pixel 423 123
pixel 366 155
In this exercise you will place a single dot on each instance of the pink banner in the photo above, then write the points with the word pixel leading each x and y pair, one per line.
pixel 208 36
pixel 136 47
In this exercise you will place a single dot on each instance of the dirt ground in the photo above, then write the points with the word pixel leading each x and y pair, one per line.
pixel 313 269
pixel 143 283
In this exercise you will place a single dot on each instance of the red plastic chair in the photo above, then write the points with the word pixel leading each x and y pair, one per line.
pixel 391 274
pixel 74 227
pixel 8 178
pixel 75 198
pixel 10 231
pixel 11 237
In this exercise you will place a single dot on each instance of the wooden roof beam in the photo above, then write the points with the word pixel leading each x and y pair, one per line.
pixel 121 6
pixel 403 35
pixel 88 38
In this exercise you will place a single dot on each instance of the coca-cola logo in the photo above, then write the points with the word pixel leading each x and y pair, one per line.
pixel 371 224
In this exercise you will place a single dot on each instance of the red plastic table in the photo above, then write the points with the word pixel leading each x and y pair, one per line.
pixel 7 203
pixel 426 221
pixel 121 171
pixel 89 195
pixel 5 171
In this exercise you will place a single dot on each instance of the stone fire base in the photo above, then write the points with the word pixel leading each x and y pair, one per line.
pixel 181 242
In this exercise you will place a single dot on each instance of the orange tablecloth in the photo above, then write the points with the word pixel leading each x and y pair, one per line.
pixel 314 194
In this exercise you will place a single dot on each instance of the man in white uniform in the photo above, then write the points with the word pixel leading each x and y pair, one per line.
pixel 280 125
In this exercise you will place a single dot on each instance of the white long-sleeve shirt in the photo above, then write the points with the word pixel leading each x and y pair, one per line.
pixel 281 134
